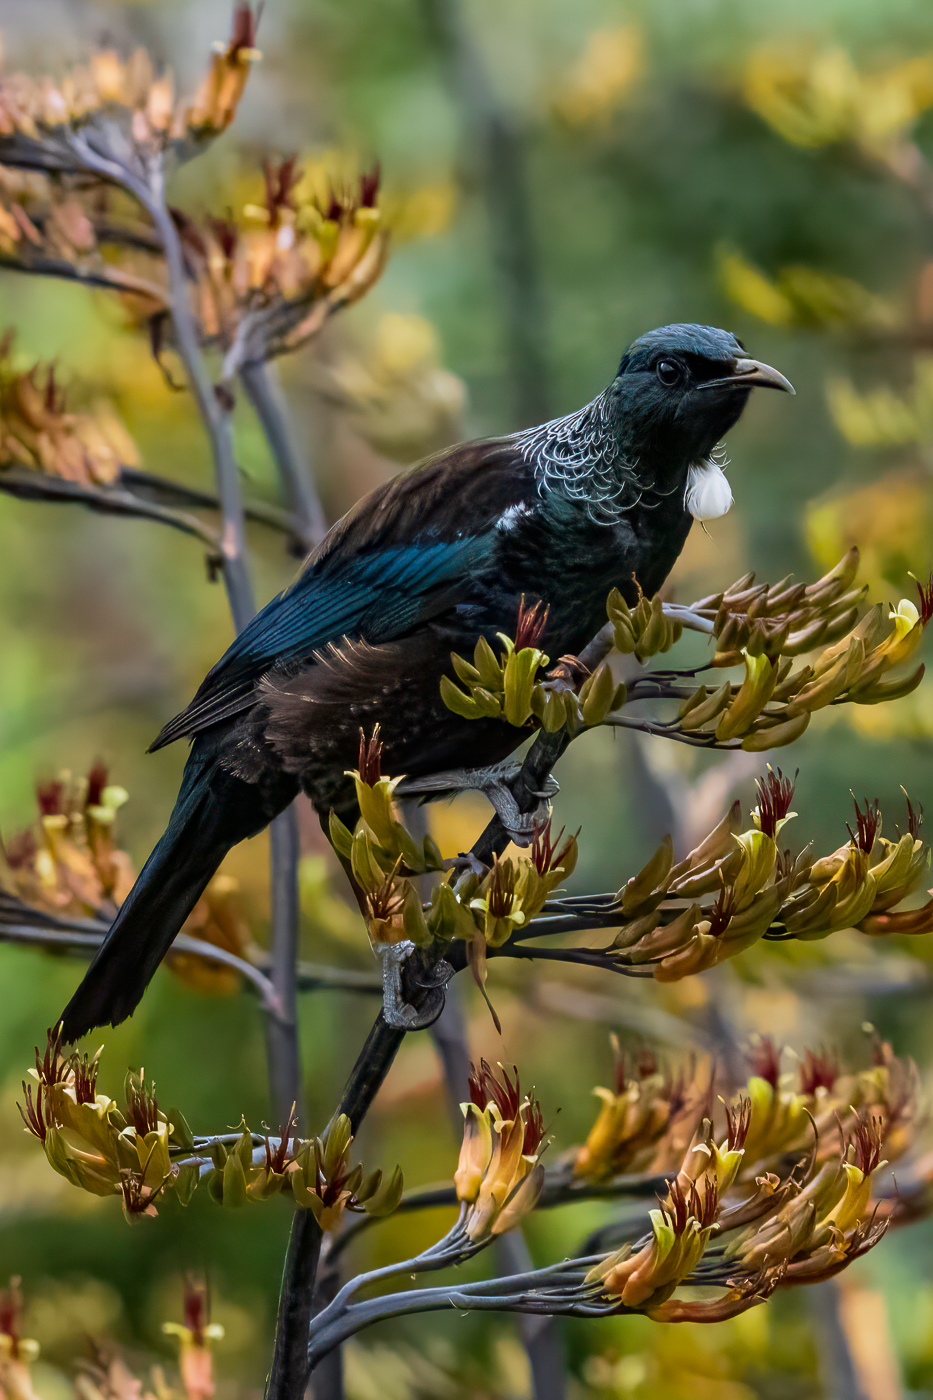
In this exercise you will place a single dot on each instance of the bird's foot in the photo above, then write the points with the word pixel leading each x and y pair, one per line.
pixel 466 863
pixel 400 976
pixel 495 782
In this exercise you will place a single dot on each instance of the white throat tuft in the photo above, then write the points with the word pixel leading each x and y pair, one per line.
pixel 708 494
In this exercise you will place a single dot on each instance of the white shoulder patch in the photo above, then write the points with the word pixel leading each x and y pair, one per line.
pixel 510 517
pixel 708 494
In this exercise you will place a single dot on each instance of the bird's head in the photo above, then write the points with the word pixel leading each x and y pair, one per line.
pixel 678 390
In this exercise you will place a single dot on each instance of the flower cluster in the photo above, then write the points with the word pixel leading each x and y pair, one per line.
pixel 509 687
pixel 760 627
pixel 105 1375
pixel 779 1183
pixel 738 886
pixel 646 1120
pixel 69 862
pixel 17 1353
pixel 69 865
pixel 644 630
pixel 644 1278
pixel 798 295
pixel 263 280
pixel 816 98
pixel 267 280
pixel 672 919
pixel 140 1153
pixel 37 117
pixel 764 628
pixel 383 856
pixel 196 1336
pixel 99 1146
pixel 499 1176
pixel 769 1201
pixel 39 432
pixel 316 1171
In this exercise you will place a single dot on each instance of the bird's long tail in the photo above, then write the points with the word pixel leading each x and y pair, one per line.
pixel 214 811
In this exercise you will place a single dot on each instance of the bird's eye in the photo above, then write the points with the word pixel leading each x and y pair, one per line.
pixel 667 372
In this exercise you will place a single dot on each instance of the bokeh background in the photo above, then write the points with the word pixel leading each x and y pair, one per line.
pixel 560 177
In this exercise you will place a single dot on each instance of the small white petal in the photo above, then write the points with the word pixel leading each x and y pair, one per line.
pixel 708 494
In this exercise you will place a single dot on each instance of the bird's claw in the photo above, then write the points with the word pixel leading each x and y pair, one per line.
pixel 519 825
pixel 466 863
pixel 495 782
pixel 397 1010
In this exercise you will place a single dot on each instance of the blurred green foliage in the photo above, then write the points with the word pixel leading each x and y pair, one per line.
pixel 644 163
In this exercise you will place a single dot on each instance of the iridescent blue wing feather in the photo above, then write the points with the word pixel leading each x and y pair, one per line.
pixel 388 566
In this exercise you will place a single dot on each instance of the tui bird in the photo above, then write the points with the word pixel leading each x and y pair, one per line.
pixel 420 568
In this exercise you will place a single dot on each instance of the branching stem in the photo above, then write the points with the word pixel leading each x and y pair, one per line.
pixel 264 391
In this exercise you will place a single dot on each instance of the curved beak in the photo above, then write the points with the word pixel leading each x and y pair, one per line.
pixel 747 374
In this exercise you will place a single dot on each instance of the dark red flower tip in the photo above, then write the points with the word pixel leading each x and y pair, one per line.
pixel 866 825
pixel 51 798
pixel 226 233
pixel 486 1087
pixel 765 1061
pixel 243 29
pixel 369 187
pixel 370 762
pixel 52 1067
pixel 868 1141
pixel 35 1116
pixel 914 816
pixel 277 1158
pixel 96 783
pixel 534 1128
pixel 20 850
pixel 197 1308
pixel 738 1122
pixel 501 892
pixel 54 396
pixel 388 900
pixel 85 1077
pixel 280 183
pixel 11 1312
pixel 683 1204
pixel 775 794
pixel 926 600
pixel 532 620
pixel 334 208
pixel 547 853
pixel 720 915
pixel 142 1107
pixel 818 1071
